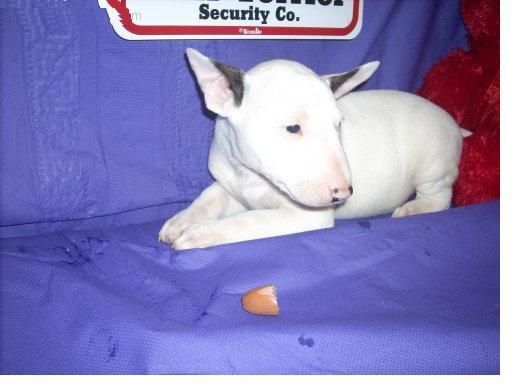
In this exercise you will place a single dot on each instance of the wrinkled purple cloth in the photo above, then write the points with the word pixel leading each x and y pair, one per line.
pixel 412 295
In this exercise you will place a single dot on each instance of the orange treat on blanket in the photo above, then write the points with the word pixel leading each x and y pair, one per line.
pixel 261 301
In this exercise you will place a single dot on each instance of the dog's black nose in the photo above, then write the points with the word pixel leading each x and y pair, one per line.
pixel 335 200
pixel 351 190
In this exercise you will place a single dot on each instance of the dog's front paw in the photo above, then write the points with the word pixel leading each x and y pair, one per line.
pixel 199 236
pixel 175 226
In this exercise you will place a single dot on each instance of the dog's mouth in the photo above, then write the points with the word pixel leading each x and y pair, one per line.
pixel 315 204
pixel 308 200
pixel 339 203
pixel 336 202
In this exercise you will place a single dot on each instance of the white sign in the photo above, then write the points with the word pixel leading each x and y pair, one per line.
pixel 235 19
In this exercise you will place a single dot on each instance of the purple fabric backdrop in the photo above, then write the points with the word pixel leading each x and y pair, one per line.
pixel 96 130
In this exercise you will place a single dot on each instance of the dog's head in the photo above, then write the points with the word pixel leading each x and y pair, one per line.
pixel 287 126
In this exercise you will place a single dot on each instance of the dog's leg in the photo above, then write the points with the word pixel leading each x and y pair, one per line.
pixel 212 203
pixel 253 225
pixel 430 197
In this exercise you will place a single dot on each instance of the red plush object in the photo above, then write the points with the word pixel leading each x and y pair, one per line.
pixel 466 84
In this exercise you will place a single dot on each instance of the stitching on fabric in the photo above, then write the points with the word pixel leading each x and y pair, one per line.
pixel 52 67
pixel 25 21
pixel 178 119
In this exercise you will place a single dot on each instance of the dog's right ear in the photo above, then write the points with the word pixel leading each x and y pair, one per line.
pixel 222 85
pixel 344 82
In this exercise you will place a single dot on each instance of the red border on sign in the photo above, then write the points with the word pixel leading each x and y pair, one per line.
pixel 148 30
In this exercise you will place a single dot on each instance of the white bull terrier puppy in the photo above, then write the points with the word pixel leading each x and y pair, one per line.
pixel 292 151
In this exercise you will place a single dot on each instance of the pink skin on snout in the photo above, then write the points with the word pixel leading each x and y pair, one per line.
pixel 320 194
pixel 317 188
pixel 312 171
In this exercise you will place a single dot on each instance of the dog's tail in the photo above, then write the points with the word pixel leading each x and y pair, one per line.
pixel 465 132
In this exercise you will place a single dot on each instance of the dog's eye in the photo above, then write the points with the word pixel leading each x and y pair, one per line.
pixel 293 128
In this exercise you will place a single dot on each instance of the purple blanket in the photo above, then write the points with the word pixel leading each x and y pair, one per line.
pixel 413 295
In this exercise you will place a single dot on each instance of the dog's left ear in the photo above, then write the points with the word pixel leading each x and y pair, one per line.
pixel 345 82
pixel 222 85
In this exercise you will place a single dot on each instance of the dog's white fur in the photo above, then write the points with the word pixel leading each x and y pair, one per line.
pixel 387 145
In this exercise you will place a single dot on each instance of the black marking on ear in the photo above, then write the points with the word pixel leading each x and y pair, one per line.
pixel 235 78
pixel 336 81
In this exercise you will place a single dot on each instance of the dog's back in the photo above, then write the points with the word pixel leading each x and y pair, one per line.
pixel 395 141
